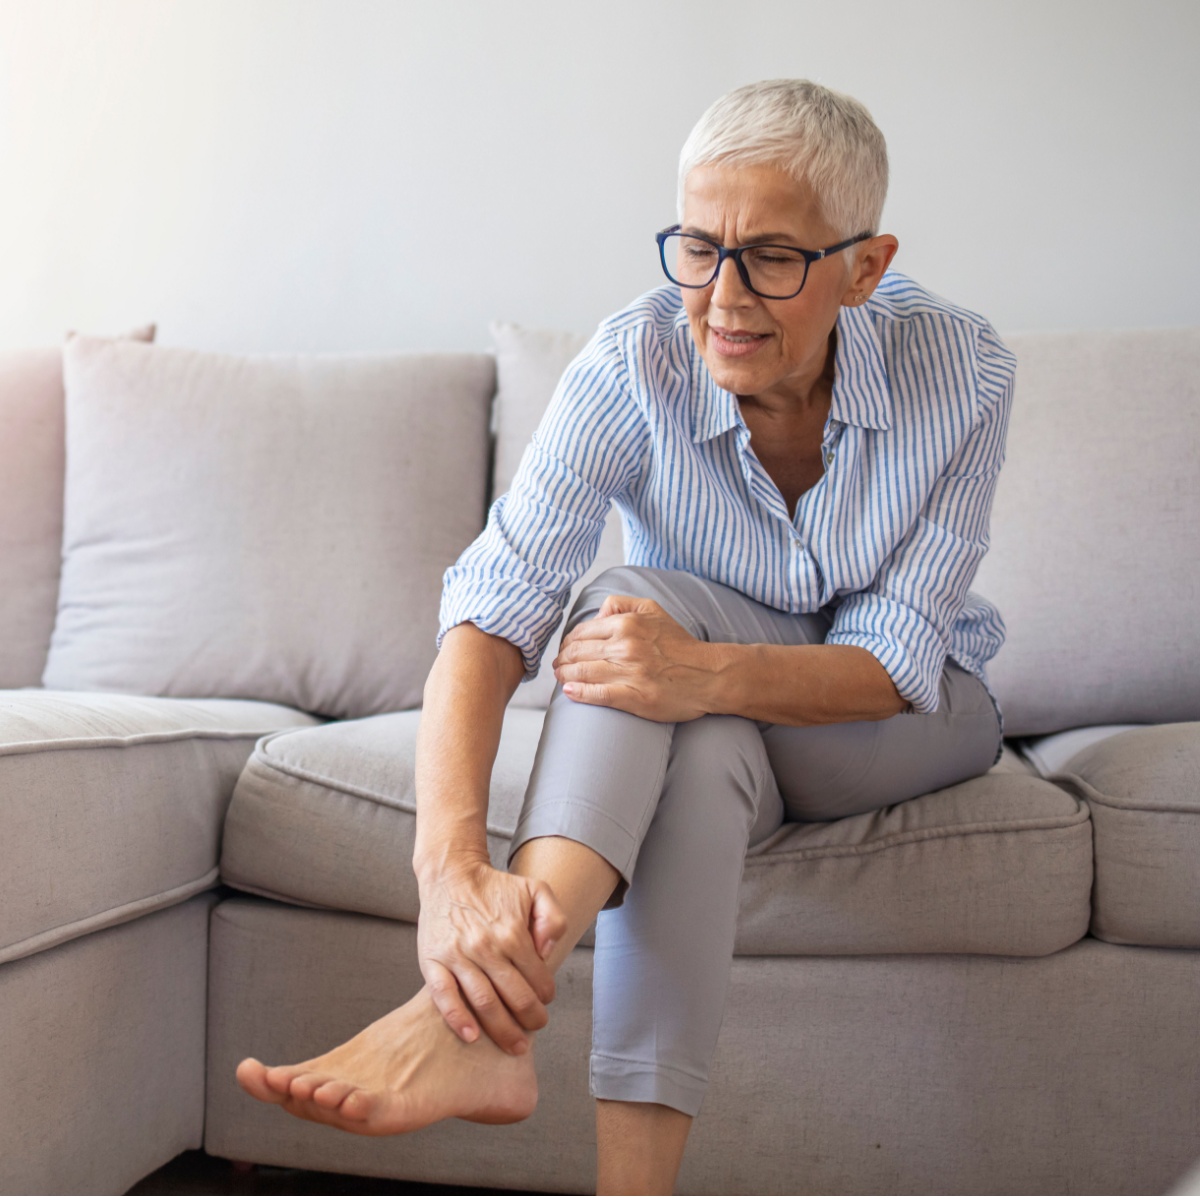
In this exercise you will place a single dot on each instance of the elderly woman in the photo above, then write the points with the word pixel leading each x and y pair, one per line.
pixel 804 448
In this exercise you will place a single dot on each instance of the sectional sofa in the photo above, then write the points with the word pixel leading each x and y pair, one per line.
pixel 219 578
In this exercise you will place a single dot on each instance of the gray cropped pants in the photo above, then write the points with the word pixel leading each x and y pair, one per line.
pixel 681 803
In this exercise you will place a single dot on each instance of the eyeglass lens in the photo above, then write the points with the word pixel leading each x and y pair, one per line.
pixel 774 271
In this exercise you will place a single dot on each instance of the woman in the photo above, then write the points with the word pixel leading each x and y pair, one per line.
pixel 804 450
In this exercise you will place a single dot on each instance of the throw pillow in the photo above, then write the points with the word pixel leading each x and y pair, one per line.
pixel 31 466
pixel 269 527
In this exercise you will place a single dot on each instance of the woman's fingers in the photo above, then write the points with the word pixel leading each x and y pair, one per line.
pixel 581 653
pixel 625 604
pixel 449 1001
pixel 518 996
pixel 490 1011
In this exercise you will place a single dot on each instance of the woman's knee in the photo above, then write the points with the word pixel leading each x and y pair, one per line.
pixel 718 762
pixel 666 588
pixel 684 597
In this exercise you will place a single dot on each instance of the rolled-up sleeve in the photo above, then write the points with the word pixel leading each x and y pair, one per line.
pixel 513 581
pixel 905 617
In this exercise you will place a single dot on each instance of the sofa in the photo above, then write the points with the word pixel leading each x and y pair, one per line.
pixel 219 579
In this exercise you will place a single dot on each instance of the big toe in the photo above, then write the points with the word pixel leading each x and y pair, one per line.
pixel 252 1076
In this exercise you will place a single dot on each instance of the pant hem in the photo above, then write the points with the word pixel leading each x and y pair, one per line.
pixel 584 823
pixel 645 1083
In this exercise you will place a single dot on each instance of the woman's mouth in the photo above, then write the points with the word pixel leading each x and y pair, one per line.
pixel 736 343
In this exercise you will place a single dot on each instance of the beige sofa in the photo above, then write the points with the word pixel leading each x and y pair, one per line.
pixel 213 650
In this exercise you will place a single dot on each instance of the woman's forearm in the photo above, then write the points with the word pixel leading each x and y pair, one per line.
pixel 800 685
pixel 471 683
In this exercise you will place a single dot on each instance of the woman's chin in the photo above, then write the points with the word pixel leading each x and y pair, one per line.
pixel 736 377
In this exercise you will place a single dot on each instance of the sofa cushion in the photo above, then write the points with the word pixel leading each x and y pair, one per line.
pixel 113 805
pixel 1094 509
pixel 270 527
pixel 529 364
pixel 1143 790
pixel 1048 755
pixel 996 865
pixel 31 466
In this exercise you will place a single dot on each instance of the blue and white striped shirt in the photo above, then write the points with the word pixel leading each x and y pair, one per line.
pixel 891 534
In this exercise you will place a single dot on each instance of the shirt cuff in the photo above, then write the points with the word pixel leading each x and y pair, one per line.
pixel 510 609
pixel 907 646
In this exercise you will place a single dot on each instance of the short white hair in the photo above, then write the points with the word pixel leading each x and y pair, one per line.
pixel 817 136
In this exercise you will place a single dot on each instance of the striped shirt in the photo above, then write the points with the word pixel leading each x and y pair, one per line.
pixel 891 535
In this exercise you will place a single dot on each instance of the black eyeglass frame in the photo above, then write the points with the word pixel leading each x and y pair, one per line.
pixel 724 252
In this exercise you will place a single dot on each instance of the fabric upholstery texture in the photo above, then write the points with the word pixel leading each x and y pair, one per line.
pixel 32 462
pixel 269 527
pixel 529 364
pixel 890 1074
pixel 102 1052
pixel 1051 753
pixel 1143 790
pixel 113 805
pixel 1089 564
pixel 999 865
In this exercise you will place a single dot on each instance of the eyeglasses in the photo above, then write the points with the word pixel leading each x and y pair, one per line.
pixel 773 272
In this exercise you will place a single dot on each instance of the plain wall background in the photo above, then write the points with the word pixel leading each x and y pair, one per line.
pixel 327 175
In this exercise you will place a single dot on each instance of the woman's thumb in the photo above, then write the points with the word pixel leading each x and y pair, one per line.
pixel 547 921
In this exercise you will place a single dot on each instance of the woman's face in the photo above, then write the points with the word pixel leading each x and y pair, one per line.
pixel 753 346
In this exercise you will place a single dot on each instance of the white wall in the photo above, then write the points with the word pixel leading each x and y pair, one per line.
pixel 283 175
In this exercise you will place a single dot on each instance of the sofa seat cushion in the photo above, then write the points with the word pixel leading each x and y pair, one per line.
pixel 997 865
pixel 113 805
pixel 1048 755
pixel 1143 789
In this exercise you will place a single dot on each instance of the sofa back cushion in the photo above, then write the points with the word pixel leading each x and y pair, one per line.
pixel 529 364
pixel 270 527
pixel 1095 555
pixel 31 475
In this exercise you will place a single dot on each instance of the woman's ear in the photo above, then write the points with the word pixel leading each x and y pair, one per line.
pixel 874 257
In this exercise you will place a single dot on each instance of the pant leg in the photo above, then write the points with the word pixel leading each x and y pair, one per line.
pixel 681 804
pixel 663 957
pixel 829 771
pixel 684 801
pixel 598 772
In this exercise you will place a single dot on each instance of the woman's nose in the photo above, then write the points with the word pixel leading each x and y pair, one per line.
pixel 729 289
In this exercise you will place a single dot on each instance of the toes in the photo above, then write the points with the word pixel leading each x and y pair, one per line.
pixel 331 1093
pixel 303 1086
pixel 252 1076
pixel 310 1110
pixel 358 1105
pixel 279 1079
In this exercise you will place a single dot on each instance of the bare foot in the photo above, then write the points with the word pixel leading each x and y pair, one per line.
pixel 403 1072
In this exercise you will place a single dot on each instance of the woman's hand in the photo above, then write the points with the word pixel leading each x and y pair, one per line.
pixel 482 940
pixel 636 657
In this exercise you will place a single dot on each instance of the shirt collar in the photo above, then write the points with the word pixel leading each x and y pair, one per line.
pixel 861 392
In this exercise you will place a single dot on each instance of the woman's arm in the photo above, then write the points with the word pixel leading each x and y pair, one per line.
pixel 483 934
pixel 802 685
pixel 634 656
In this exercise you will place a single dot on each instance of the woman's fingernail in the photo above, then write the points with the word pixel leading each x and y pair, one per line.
pixel 469 1033
pixel 520 1047
pixel 549 948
